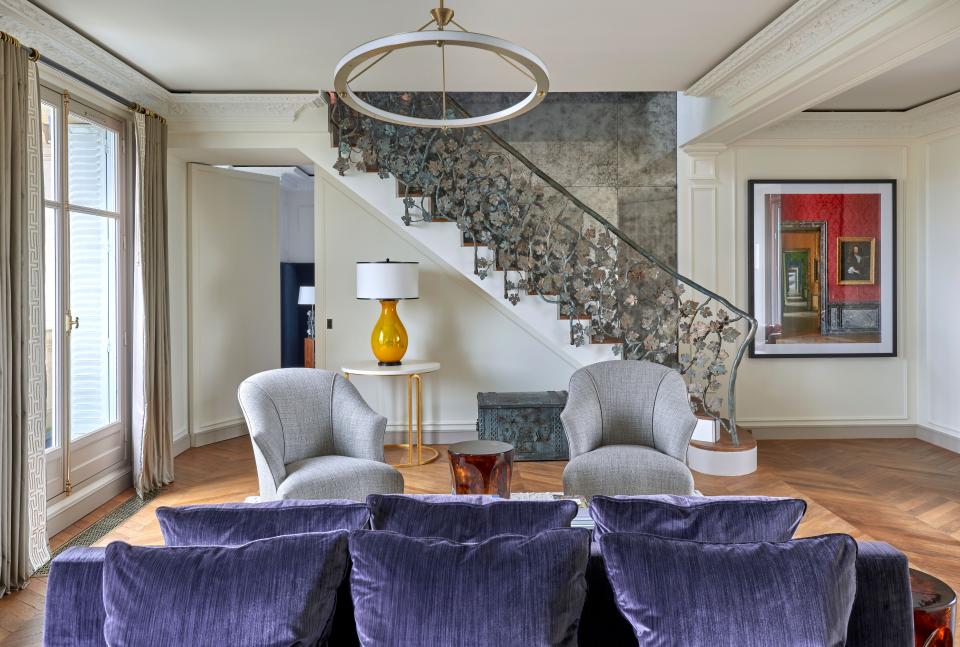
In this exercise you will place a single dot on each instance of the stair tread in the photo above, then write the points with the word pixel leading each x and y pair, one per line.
pixel 403 190
pixel 604 339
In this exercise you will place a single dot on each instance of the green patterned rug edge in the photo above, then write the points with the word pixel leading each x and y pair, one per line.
pixel 101 528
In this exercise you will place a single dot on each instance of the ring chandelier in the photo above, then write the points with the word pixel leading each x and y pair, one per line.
pixel 522 59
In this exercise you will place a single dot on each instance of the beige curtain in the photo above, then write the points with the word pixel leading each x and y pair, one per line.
pixel 23 541
pixel 152 413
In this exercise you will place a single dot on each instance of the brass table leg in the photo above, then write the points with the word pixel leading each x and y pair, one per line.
pixel 409 420
pixel 414 379
pixel 419 382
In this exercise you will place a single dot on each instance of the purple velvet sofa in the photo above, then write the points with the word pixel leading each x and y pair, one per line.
pixel 881 614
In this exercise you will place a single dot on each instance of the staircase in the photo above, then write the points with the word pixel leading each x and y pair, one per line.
pixel 483 207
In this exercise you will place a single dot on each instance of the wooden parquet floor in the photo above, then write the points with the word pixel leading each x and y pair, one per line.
pixel 902 491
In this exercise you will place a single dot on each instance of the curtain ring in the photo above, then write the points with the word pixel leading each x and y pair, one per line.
pixel 4 36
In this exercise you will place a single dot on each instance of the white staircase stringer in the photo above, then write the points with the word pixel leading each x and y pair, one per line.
pixel 442 241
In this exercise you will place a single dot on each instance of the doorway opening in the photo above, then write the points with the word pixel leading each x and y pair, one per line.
pixel 803 250
pixel 297 262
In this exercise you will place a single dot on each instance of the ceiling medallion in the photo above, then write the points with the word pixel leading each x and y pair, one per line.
pixel 520 58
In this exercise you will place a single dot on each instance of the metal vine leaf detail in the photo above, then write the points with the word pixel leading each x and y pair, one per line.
pixel 551 245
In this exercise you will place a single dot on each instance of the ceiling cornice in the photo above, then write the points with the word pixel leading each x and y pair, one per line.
pixel 799 33
pixel 240 107
pixel 38 29
pixel 924 121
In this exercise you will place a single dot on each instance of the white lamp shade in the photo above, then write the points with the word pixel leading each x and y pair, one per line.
pixel 388 280
pixel 307 296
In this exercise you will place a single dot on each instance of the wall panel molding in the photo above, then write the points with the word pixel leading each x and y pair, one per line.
pixel 833 431
pixel 698 210
pixel 703 221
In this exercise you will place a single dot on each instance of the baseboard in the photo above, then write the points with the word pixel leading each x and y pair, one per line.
pixel 214 433
pixel 833 432
pixel 434 432
pixel 432 437
pixel 940 436
pixel 181 442
pixel 86 498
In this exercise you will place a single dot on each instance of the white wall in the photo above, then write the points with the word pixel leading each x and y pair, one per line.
pixel 296 223
pixel 234 287
pixel 940 380
pixel 177 260
pixel 296 211
pixel 875 394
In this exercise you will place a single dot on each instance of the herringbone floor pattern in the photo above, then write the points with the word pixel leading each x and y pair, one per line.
pixel 906 492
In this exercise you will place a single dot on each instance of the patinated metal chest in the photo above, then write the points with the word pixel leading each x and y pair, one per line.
pixel 529 421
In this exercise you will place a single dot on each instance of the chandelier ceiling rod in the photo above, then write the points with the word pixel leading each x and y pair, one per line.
pixel 384 55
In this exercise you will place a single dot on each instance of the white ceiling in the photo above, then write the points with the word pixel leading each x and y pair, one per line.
pixel 253 45
pixel 925 78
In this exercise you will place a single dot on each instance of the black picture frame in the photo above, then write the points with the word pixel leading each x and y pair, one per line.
pixel 887 273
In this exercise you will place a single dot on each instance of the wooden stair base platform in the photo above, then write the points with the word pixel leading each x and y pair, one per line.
pixel 723 458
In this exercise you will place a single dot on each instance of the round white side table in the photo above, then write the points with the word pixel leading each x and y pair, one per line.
pixel 413 370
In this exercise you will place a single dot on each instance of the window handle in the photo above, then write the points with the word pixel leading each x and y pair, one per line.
pixel 71 322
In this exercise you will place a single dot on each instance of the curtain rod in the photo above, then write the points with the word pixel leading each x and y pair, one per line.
pixel 34 55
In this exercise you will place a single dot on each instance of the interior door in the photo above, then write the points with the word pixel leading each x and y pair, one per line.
pixel 234 292
pixel 85 292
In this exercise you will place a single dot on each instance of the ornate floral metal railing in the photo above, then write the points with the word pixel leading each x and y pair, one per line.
pixel 552 245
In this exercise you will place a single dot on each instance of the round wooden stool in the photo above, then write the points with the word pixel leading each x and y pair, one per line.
pixel 481 467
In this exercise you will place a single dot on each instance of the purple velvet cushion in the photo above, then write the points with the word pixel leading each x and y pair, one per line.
pixel 718 519
pixel 678 592
pixel 466 519
pixel 232 524
pixel 508 590
pixel 73 609
pixel 278 591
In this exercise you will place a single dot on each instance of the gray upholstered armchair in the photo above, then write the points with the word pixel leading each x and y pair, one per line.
pixel 628 424
pixel 314 437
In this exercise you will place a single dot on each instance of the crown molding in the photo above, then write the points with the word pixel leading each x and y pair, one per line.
pixel 928 119
pixel 38 29
pixel 240 107
pixel 799 33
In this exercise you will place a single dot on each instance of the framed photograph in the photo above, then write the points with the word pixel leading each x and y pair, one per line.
pixel 822 270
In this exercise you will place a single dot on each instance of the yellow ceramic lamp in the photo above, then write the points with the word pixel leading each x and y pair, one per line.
pixel 388 282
